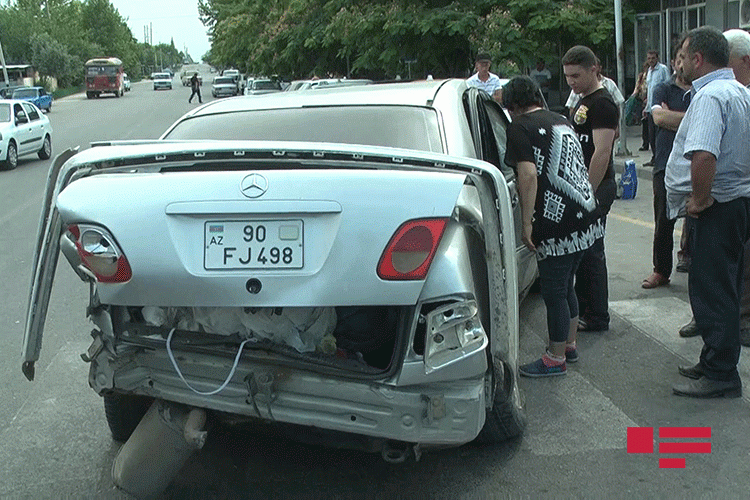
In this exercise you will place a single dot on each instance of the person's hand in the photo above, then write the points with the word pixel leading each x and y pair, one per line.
pixel 526 237
pixel 664 106
pixel 694 207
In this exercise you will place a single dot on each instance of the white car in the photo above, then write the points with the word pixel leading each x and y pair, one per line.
pixel 224 86
pixel 126 82
pixel 343 259
pixel 24 130
pixel 162 81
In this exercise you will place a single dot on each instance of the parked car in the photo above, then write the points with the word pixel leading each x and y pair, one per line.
pixel 326 83
pixel 7 92
pixel 126 82
pixel 24 130
pixel 224 86
pixel 162 81
pixel 344 259
pixel 236 76
pixel 261 86
pixel 36 95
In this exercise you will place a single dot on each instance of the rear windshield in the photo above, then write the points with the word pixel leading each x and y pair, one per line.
pixel 101 70
pixel 391 126
pixel 22 93
pixel 162 76
pixel 4 112
pixel 266 85
pixel 223 80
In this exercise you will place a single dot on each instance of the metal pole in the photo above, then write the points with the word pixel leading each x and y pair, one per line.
pixel 622 144
pixel 5 70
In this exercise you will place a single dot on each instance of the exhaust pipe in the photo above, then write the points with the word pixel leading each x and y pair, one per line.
pixel 158 448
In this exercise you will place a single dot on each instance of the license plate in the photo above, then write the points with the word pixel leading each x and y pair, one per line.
pixel 266 244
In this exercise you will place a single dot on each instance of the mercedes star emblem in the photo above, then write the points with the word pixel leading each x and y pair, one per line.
pixel 254 185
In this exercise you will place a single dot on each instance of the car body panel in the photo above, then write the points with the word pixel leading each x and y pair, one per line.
pixel 27 135
pixel 162 81
pixel 350 200
pixel 36 95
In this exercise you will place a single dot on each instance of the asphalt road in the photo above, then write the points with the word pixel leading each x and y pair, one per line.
pixel 54 442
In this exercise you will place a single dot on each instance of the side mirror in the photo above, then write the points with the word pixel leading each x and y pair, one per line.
pixel 21 118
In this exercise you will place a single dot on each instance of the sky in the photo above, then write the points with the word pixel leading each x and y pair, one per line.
pixel 176 19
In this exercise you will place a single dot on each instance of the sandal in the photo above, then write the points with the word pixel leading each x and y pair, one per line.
pixel 654 281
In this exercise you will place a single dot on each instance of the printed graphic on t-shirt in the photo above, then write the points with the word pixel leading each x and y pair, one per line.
pixel 581 114
pixel 570 176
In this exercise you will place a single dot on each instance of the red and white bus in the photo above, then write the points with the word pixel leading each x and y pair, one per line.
pixel 104 75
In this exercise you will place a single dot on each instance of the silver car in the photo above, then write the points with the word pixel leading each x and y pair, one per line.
pixel 345 259
pixel 224 86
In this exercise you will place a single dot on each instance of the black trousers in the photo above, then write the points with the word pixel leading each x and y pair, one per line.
pixel 644 132
pixel 663 230
pixel 556 282
pixel 196 91
pixel 715 284
pixel 592 288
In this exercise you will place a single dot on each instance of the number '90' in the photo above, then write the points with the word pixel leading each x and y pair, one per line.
pixel 254 233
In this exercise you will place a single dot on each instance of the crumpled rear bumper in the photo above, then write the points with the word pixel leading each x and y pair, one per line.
pixel 444 413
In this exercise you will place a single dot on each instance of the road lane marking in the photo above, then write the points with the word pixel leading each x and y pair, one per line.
pixel 637 222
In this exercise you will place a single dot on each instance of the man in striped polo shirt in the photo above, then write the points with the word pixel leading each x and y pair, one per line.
pixel 708 178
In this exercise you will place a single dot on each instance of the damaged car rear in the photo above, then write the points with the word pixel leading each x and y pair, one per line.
pixel 355 288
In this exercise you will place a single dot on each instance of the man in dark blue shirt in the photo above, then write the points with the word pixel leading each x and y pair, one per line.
pixel 671 100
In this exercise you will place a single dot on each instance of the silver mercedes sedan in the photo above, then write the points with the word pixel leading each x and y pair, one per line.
pixel 347 259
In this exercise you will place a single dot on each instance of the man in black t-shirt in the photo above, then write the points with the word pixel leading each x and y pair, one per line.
pixel 595 120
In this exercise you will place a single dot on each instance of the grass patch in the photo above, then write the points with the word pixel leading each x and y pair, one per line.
pixel 57 94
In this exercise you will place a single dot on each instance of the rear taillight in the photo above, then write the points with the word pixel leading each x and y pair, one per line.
pixel 100 254
pixel 412 247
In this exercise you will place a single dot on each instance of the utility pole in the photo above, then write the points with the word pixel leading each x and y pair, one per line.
pixel 622 144
pixel 5 70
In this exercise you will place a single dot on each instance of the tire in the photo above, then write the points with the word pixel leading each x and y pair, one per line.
pixel 46 152
pixel 11 159
pixel 124 413
pixel 89 95
pixel 507 418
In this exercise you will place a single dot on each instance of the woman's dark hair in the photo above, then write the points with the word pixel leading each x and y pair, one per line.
pixel 521 92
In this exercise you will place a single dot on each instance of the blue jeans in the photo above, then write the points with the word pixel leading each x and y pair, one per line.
pixel 556 276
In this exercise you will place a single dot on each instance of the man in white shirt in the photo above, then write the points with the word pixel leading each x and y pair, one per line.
pixel 483 79
pixel 657 73
pixel 542 77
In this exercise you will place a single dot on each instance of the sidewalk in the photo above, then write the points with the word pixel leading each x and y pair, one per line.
pixel 633 142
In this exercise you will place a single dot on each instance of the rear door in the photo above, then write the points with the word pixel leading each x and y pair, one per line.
pixel 36 127
pixel 488 125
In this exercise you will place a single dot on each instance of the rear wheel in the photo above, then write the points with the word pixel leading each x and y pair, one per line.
pixel 11 159
pixel 89 95
pixel 124 413
pixel 506 419
pixel 46 151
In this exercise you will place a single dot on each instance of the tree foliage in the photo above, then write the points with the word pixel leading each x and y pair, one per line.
pixel 58 36
pixel 385 38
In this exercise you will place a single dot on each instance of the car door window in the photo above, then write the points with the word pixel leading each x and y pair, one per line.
pixel 498 124
pixel 18 112
pixel 31 112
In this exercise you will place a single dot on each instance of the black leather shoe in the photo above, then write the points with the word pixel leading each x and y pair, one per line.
pixel 707 388
pixel 643 148
pixel 585 326
pixel 689 330
pixel 745 336
pixel 694 372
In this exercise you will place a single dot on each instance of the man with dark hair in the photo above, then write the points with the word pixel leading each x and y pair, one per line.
pixel 671 100
pixel 556 201
pixel 657 73
pixel 483 79
pixel 595 120
pixel 708 178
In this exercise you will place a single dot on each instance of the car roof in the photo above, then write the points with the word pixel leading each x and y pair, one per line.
pixel 420 93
